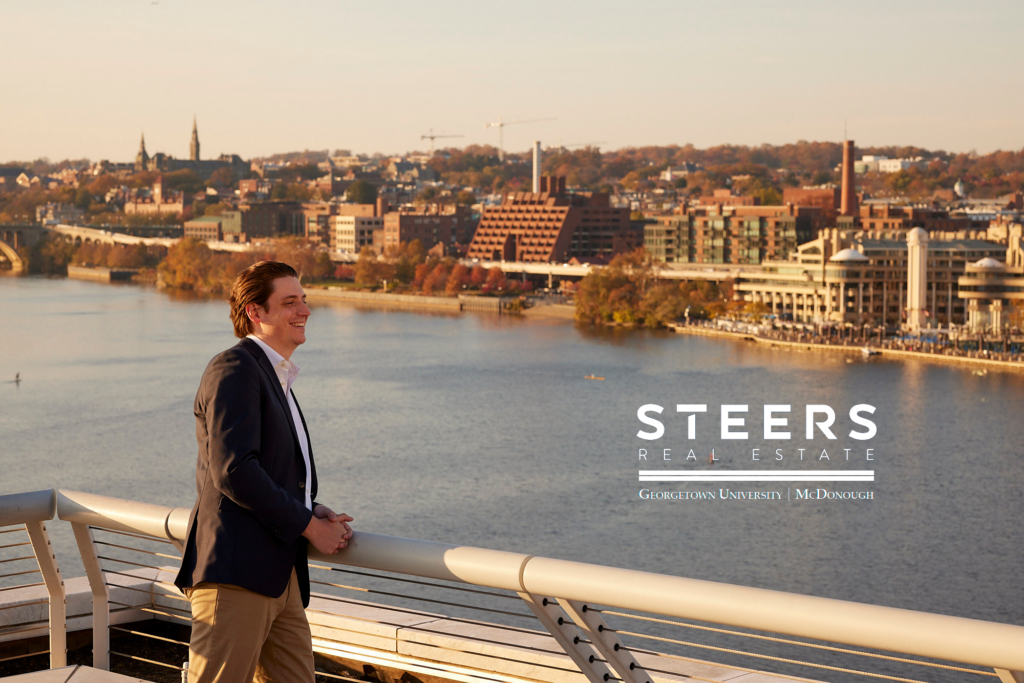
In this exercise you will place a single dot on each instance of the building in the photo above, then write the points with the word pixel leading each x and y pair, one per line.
pixel 897 165
pixel 827 198
pixel 431 224
pixel 167 163
pixel 206 228
pixel 159 201
pixel 315 220
pixel 552 226
pixel 684 169
pixel 255 188
pixel 885 216
pixel 53 213
pixel 9 177
pixel 352 233
pixel 731 234
pixel 991 288
pixel 269 219
pixel 226 227
pixel 860 277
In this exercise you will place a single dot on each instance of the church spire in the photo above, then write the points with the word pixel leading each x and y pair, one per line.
pixel 142 159
pixel 193 147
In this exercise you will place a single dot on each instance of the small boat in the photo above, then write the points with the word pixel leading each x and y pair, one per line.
pixel 593 377
pixel 868 351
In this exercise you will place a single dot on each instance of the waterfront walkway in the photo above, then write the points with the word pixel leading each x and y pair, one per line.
pixel 889 347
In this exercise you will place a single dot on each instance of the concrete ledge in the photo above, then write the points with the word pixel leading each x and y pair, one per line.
pixel 432 647
pixel 72 674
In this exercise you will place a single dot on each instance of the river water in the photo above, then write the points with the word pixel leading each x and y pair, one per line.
pixel 484 431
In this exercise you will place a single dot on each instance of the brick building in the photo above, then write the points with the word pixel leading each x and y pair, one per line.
pixel 552 226
pixel 737 234
pixel 432 225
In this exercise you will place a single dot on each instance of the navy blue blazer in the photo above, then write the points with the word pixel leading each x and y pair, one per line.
pixel 246 526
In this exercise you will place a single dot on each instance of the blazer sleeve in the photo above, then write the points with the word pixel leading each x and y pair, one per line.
pixel 231 393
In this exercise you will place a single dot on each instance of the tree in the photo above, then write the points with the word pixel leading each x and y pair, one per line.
pixel 458 280
pixel 361 192
pixel 223 177
pixel 83 198
pixel 495 280
pixel 436 279
pixel 478 276
pixel 465 198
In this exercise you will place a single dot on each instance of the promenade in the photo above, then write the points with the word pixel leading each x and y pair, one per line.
pixel 892 348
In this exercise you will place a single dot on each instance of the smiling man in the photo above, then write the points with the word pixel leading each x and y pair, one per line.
pixel 244 567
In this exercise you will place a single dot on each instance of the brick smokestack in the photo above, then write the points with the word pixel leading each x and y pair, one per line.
pixel 848 202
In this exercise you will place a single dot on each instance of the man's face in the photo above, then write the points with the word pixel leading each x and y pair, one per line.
pixel 282 323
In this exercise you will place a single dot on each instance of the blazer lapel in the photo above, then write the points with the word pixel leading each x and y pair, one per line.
pixel 264 362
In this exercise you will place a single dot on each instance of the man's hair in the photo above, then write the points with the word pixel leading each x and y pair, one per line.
pixel 254 285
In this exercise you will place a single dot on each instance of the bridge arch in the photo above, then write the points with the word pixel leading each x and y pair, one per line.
pixel 12 255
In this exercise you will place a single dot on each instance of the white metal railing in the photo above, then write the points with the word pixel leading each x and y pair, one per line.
pixel 569 599
pixel 30 512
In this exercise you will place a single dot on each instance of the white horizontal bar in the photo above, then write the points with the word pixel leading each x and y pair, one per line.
pixel 712 477
pixel 762 473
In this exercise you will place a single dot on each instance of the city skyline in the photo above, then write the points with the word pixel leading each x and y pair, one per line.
pixel 264 80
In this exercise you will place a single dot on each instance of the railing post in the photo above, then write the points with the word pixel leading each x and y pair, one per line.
pixel 54 590
pixel 565 634
pixel 1010 676
pixel 100 597
pixel 606 642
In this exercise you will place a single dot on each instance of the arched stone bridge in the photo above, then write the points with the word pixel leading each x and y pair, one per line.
pixel 15 236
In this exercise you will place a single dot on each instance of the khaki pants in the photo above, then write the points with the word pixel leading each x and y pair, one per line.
pixel 239 636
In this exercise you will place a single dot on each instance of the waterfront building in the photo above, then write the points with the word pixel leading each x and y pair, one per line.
pixel 860 277
pixel 991 287
pixel 747 234
pixel 552 225
pixel 431 224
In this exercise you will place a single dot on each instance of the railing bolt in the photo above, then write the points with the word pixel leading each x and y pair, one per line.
pixel 576 640
pixel 616 647
pixel 545 602
pixel 600 628
pixel 632 665
pixel 561 621
pixel 591 659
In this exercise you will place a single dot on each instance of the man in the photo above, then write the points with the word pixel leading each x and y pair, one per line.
pixel 244 567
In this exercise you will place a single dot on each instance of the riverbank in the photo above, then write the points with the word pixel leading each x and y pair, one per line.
pixel 459 304
pixel 850 348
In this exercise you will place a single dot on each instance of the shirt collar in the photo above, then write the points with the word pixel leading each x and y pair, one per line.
pixel 278 362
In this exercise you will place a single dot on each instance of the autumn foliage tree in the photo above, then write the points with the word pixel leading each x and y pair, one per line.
pixel 628 292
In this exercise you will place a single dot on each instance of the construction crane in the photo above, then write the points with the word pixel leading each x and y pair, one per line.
pixel 500 125
pixel 431 136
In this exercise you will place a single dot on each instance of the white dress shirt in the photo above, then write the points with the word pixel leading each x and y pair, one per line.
pixel 287 371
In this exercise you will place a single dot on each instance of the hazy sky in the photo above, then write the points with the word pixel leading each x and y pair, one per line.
pixel 82 79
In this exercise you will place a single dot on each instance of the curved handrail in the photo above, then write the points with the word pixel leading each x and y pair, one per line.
pixel 32 506
pixel 969 641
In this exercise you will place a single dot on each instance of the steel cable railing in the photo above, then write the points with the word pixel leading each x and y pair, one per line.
pixel 152 607
pixel 406 578
pixel 28 513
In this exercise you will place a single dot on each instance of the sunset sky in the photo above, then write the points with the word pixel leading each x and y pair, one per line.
pixel 85 79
